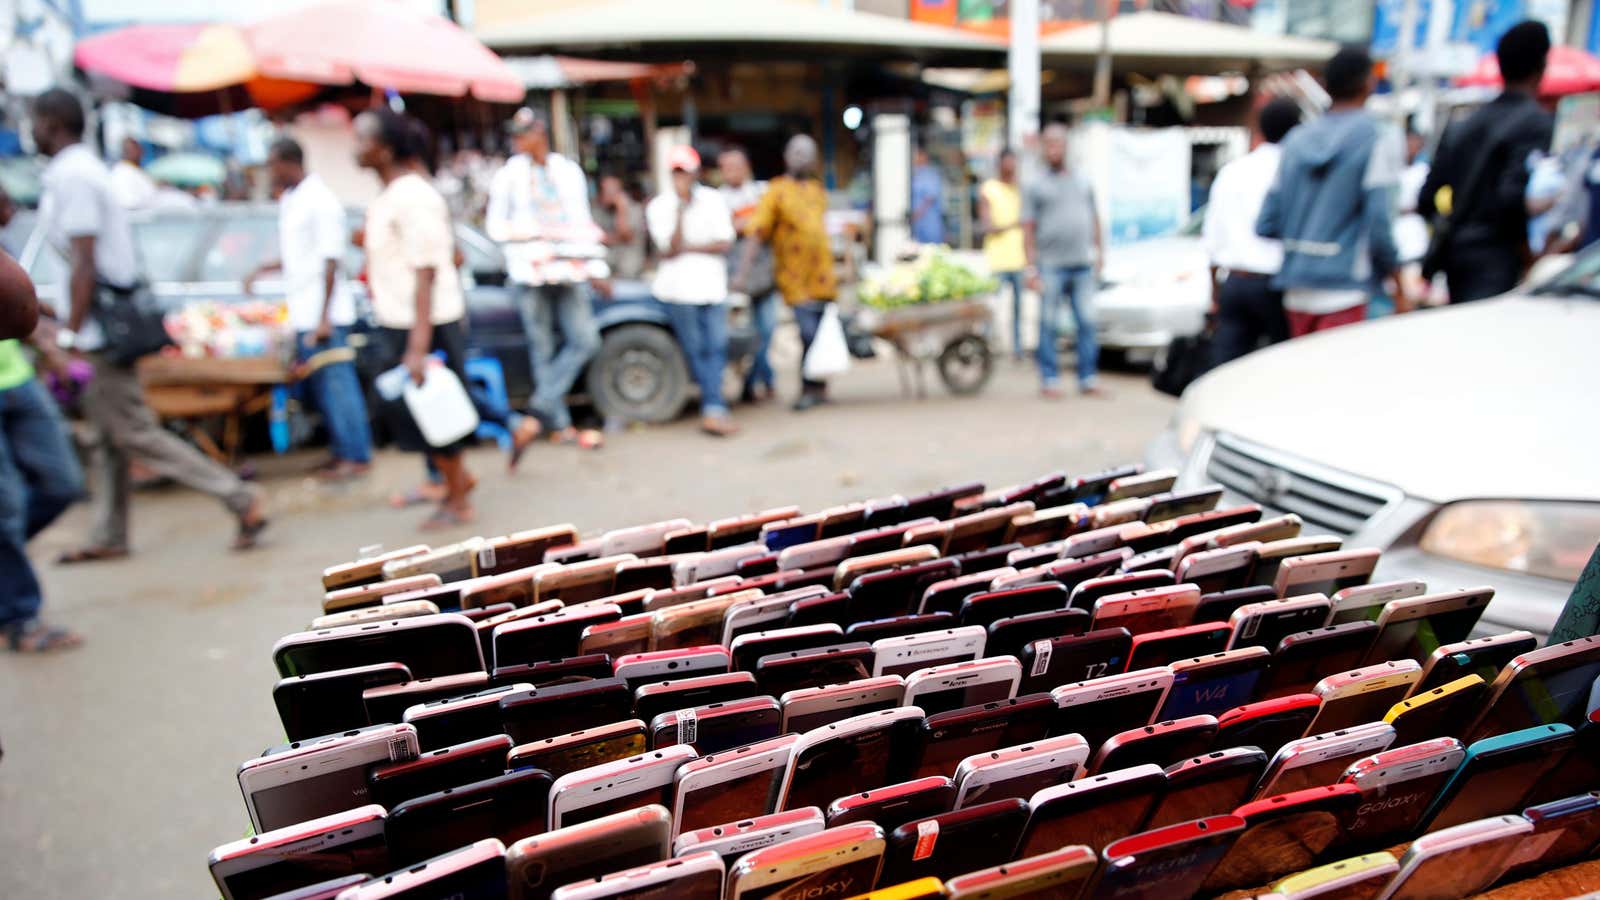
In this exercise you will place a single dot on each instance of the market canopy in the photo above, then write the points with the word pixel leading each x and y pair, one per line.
pixel 1163 43
pixel 632 23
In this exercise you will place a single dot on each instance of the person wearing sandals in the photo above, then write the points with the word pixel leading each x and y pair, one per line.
pixel 79 215
pixel 415 289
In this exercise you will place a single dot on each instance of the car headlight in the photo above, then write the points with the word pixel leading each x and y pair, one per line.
pixel 1549 538
pixel 1188 430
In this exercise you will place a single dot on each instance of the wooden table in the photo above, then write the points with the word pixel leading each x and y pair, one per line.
pixel 194 389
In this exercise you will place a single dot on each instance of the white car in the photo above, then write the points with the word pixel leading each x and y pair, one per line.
pixel 1151 291
pixel 1462 441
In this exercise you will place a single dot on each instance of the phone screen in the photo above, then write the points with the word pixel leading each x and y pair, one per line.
pixel 1484 662
pixel 1165 650
pixel 1270 628
pixel 803 723
pixel 1418 638
pixel 1269 732
pixel 1544 695
pixel 1078 658
pixel 559 761
pixel 293 870
pixel 1272 849
pixel 1457 873
pixel 744 797
pixel 1358 709
pixel 1198 692
pixel 837 881
pixel 447 647
pixel 620 801
pixel 1495 784
pixel 1393 811
pixel 1021 786
pixel 844 765
pixel 1297 666
pixel 309 798
pixel 1093 817
pixel 961 696
pixel 1317 774
pixel 927 656
pixel 1097 721
pixel 1327 587
pixel 719 733
pixel 510 807
pixel 1202 795
pixel 483 881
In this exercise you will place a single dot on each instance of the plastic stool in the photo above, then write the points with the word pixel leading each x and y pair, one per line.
pixel 486 381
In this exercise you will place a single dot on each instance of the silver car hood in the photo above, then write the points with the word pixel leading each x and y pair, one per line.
pixel 1496 398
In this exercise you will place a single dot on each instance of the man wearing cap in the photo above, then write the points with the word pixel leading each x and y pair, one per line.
pixel 541 195
pixel 692 230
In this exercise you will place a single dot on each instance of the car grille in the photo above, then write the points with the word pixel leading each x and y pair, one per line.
pixel 1326 501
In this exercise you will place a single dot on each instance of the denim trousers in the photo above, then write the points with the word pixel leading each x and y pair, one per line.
pixel 336 388
pixel 702 330
pixel 808 316
pixel 550 311
pixel 1075 284
pixel 1014 281
pixel 39 478
pixel 764 316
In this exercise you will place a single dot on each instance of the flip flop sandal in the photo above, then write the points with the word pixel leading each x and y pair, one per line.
pixel 34 637
pixel 248 532
pixel 589 439
pixel 91 554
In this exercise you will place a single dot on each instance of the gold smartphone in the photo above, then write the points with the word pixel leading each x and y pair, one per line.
pixel 695 623
pixel 981 530
pixel 514 587
pixel 848 570
pixel 374 614
pixel 575 583
pixel 366 569
pixel 523 549
pixel 453 562
pixel 372 594
pixel 629 634
pixel 581 749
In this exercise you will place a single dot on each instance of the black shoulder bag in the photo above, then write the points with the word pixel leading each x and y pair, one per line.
pixel 131 320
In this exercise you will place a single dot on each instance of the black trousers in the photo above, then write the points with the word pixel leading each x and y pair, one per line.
pixel 1478 271
pixel 1249 313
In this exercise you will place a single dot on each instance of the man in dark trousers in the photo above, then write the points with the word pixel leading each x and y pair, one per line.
pixel 1481 231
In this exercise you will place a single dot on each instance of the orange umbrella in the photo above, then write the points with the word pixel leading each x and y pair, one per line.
pixel 186 69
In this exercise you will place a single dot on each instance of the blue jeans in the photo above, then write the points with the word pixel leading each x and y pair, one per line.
pixel 702 330
pixel 808 316
pixel 544 309
pixel 764 316
pixel 1014 280
pixel 39 477
pixel 337 390
pixel 1075 283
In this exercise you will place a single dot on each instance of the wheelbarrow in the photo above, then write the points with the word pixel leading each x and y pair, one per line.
pixel 950 336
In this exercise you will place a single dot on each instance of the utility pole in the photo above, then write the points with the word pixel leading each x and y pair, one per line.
pixel 1023 66
pixel 1102 61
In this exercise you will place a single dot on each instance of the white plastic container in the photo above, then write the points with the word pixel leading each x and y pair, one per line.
pixel 440 405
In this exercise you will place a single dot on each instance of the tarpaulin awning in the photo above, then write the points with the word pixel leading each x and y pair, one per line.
pixel 1172 44
pixel 550 72
pixel 1567 70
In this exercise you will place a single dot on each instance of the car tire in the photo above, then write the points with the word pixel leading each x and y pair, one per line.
pixel 638 375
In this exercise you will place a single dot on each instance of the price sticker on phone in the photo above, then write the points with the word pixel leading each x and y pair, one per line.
pixel 927 837
pixel 1042 649
pixel 688 726
pixel 486 558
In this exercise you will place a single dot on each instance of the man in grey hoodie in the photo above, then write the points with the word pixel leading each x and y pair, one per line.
pixel 1332 205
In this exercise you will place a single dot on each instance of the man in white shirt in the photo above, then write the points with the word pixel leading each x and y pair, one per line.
pixel 743 193
pixel 692 231
pixel 541 195
pixel 312 239
pixel 1248 310
pixel 83 220
pixel 129 183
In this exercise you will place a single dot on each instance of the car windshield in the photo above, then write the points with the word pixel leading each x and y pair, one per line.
pixel 1581 278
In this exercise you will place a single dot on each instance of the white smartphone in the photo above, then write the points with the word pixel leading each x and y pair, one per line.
pixel 761 613
pixel 270 862
pixel 842 861
pixel 734 839
pixel 660 665
pixel 1019 771
pixel 478 863
pixel 726 787
pixel 1364 603
pixel 616 786
pixel 1416 626
pixel 381 613
pixel 1458 861
pixel 1362 695
pixel 1102 707
pixel 938 689
pixel 814 707
pixel 695 875
pixel 1397 787
pixel 698 567
pixel 320 778
pixel 640 540
pixel 815 554
pixel 1149 609
pixel 1013 578
pixel 907 653
pixel 1268 622
pixel 1321 759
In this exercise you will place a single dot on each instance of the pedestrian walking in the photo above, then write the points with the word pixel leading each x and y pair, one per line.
pixel 1248 308
pixel 927 200
pixel 416 294
pixel 789 218
pixel 1066 250
pixel 1481 232
pixel 313 237
pixel 692 231
pixel 1332 206
pixel 741 192
pixel 1000 221
pixel 621 220
pixel 541 195
pixel 90 229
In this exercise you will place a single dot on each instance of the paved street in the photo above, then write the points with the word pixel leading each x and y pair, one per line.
pixel 118 774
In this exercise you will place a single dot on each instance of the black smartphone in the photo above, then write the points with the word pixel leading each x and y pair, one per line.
pixel 1304 658
pixel 894 805
pixel 985 559
pixel 779 673
pixel 1094 810
pixel 828 609
pixel 1049 663
pixel 1173 504
pixel 897 592
pixel 509 807
pixel 1218 607
pixel 456 720
pixel 1160 648
pixel 1091 488
pixel 330 702
pixel 554 671
pixel 556 710
pixel 1089 590
pixel 1499 773
pixel 1208 784
pixel 1073 572
pixel 899 626
pixel 748 648
pixel 1173 861
pixel 1160 743
pixel 950 737
pixel 939 504
pixel 429 645
pixel 1268 724
pixel 953 843
pixel 991 606
pixel 388 702
pixel 946 596
pixel 651 700
pixel 393 783
pixel 1008 636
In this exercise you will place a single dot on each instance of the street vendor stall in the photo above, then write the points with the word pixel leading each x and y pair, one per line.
pixel 933 310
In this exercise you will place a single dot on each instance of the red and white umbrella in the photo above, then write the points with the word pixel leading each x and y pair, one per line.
pixel 1567 71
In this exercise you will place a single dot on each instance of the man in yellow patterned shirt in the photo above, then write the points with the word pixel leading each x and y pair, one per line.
pixel 790 219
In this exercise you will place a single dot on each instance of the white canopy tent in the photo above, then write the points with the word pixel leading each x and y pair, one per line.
pixel 1163 43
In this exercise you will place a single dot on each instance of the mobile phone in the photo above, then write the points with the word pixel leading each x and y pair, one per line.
pixel 728 786
pixel 875 630
pixel 1172 861
pixel 1223 569
pixel 1364 603
pixel 950 737
pixel 1090 590
pixel 1415 627
pixel 819 609
pixel 987 559
pixel 1150 609
pixel 1122 511
pixel 1215 683
pixel 555 710
pixel 809 708
pixel 1094 810
pixel 931 534
pixel 747 528
pixel 1564 831
pixel 855 754
pixel 937 689
pixel 1442 712
pixel 1173 504
pixel 1324 573
pixel 762 613
pixel 947 595
pixel 1498 773
pixel 1019 771
pixel 1098 708
pixel 697 567
pixel 523 549
pixel 978 530
pixel 1271 554
pixel 1321 759
pixel 550 636
pixel 452 562
pixel 1267 623
pixel 678 596
pixel 435 770
pixel 658 665
pixel 841 861
pixel 1540 687
pixel 732 840
pixel 1080 563
pixel 695 539
pixel 1458 861
pixel 1161 743
pixel 1009 635
pixel 1484 657
pixel 1201 527
pixel 582 551
pixel 653 573
pixel 1397 788
pixel 1266 531
pixel 319 779
pixel 388 702
pixel 1284 833
pixel 1362 695
pixel 474 872
pixel 894 805
pixel 854 567
pixel 623 784
pixel 657 698
pixel 365 570
pixel 952 843
pixel 1144 484
pixel 885 539
pixel 1156 560
pixel 693 875
pixel 751 646
pixel 443 644
pixel 366 596
pixel 1267 724
pixel 1581 770
pixel 717 727
pixel 1302 658
pixel 904 655
pixel 939 504
pixel 324 890
pixel 270 862
pixel 1219 607
pixel 986 608
pixel 327 702
pixel 842 520
pixel 577 582
pixel 780 673
pixel 380 613
pixel 1200 785
pixel 536 866
pixel 780 535
pixel 823 552
pixel 1057 873
pixel 696 623
pixel 486 625
pixel 1362 876
pixel 580 749
pixel 1033 557
pixel 514 587
pixel 507 807
pixel 1045 525
pixel 1091 488
pixel 1159 648
pixel 556 671
pixel 896 592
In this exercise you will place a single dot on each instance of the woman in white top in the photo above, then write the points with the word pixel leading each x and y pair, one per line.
pixel 415 289
pixel 692 230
